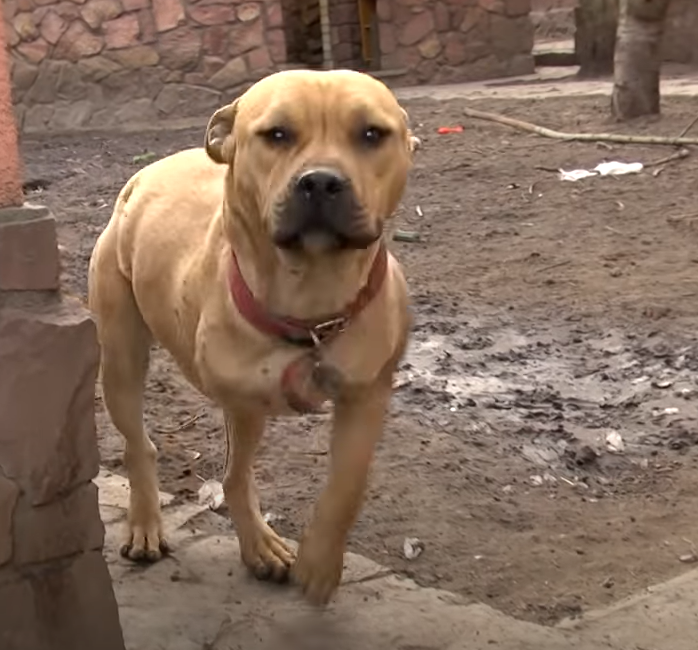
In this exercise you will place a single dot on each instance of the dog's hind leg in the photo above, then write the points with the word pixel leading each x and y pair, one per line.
pixel 264 553
pixel 125 344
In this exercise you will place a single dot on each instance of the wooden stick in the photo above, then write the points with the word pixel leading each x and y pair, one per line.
pixel 691 216
pixel 689 126
pixel 678 155
pixel 580 137
pixel 187 424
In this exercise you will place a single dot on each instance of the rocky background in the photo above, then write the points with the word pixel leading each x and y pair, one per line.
pixel 79 63
pixel 104 63
pixel 455 40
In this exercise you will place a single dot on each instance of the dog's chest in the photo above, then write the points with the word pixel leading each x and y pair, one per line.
pixel 283 379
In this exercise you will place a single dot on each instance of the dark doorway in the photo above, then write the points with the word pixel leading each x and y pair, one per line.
pixel 303 31
pixel 353 34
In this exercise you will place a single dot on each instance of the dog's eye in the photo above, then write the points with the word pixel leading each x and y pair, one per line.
pixel 277 135
pixel 373 135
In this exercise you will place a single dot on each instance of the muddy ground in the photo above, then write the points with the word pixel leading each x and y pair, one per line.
pixel 550 316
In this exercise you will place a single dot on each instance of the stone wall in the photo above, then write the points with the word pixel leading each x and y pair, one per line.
pixel 99 63
pixel 451 41
pixel 103 63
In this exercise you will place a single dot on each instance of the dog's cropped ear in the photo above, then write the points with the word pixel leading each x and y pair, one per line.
pixel 219 143
pixel 413 142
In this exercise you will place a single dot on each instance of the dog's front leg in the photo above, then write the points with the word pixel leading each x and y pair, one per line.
pixel 358 425
pixel 262 550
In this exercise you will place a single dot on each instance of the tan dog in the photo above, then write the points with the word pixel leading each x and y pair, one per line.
pixel 260 264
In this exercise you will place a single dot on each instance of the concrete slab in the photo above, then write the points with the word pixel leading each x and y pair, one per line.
pixel 201 598
pixel 665 617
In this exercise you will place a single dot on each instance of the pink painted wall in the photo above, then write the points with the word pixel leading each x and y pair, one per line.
pixel 10 166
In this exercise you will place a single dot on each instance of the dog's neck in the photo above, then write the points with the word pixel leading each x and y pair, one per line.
pixel 299 286
pixel 308 287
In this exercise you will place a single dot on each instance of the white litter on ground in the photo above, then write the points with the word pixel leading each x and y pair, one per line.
pixel 613 168
pixel 211 494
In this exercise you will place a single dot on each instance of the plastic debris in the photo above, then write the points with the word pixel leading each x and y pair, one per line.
pixel 662 383
pixel 549 479
pixel 537 480
pixel 442 130
pixel 613 168
pixel 143 158
pixel 614 442
pixel 271 518
pixel 408 236
pixel 211 494
pixel 412 548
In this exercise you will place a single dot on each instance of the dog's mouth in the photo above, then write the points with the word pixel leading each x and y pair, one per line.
pixel 320 212
pixel 319 239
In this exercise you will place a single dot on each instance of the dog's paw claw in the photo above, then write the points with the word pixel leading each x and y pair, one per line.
pixel 145 548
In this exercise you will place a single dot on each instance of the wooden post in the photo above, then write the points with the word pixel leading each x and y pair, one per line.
pixel 326 27
pixel 595 36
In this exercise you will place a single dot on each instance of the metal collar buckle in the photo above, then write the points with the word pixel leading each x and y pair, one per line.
pixel 328 328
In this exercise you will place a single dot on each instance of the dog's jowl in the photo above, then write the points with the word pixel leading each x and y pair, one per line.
pixel 259 262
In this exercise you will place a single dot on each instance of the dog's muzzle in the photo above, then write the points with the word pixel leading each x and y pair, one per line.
pixel 321 205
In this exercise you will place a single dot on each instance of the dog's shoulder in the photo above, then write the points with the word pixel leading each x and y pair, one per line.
pixel 186 173
pixel 193 164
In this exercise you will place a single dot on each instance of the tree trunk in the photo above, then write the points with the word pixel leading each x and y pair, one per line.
pixel 596 23
pixel 638 61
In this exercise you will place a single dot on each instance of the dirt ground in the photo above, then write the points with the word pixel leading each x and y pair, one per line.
pixel 550 316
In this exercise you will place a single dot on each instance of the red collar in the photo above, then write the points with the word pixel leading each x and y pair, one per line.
pixel 305 333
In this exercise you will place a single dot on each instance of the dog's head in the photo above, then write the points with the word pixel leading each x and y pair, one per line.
pixel 318 160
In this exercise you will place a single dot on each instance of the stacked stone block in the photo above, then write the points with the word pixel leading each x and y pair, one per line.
pixel 55 589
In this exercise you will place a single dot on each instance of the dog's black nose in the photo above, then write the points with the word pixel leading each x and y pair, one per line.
pixel 321 185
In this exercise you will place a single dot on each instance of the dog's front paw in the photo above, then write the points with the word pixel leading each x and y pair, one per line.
pixel 145 541
pixel 265 554
pixel 318 570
